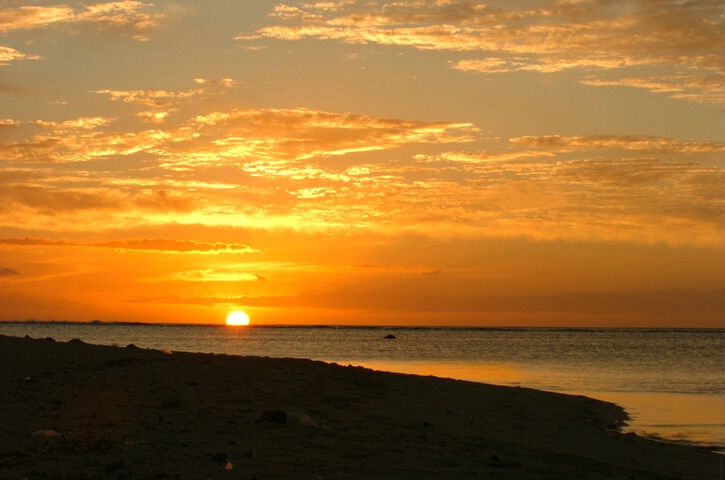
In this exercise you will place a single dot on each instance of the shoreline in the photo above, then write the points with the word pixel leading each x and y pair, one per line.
pixel 120 412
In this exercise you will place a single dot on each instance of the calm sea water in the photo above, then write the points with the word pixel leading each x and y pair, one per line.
pixel 670 381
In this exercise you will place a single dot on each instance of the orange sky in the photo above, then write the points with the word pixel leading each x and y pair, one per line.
pixel 439 162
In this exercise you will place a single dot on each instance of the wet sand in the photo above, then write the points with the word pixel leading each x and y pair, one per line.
pixel 76 411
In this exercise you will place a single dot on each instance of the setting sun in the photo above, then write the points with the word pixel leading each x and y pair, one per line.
pixel 237 318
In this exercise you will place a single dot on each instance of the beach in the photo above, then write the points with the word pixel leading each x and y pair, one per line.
pixel 71 410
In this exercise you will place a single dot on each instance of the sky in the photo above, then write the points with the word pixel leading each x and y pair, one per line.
pixel 412 162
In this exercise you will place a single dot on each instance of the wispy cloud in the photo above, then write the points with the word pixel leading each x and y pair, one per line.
pixel 130 17
pixel 155 245
pixel 238 135
pixel 77 140
pixel 684 39
pixel 8 55
pixel 33 241
pixel 623 142
pixel 177 246
pixel 164 98
pixel 285 134
pixel 216 275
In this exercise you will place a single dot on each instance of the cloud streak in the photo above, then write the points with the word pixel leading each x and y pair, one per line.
pixel 684 39
pixel 125 16
pixel 237 135
pixel 634 143
pixel 8 55
pixel 148 245
pixel 303 133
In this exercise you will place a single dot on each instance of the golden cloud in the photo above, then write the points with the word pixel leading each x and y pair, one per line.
pixel 152 244
pixel 33 241
pixel 271 136
pixel 126 16
pixel 177 246
pixel 80 140
pixel 148 98
pixel 623 142
pixel 271 168
pixel 302 133
pixel 163 98
pixel 8 54
pixel 686 38
pixel 216 275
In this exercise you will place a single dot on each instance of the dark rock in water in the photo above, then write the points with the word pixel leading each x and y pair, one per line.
pixel 76 340
pixel 390 336
pixel 132 346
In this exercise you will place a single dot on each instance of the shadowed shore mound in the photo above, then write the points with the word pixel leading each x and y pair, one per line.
pixel 76 411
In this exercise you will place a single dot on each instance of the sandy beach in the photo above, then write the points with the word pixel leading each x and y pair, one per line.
pixel 79 411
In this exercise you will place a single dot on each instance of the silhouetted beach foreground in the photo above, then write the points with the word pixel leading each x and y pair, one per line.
pixel 75 411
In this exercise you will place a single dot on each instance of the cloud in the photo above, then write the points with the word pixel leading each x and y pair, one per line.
pixel 695 87
pixel 250 136
pixel 685 39
pixel 30 17
pixel 303 133
pixel 253 136
pixel 216 275
pixel 8 55
pixel 164 98
pixel 216 87
pixel 6 271
pixel 148 98
pixel 125 16
pixel 83 123
pixel 483 157
pixel 154 117
pixel 155 245
pixel 79 140
pixel 177 246
pixel 648 144
pixel 33 241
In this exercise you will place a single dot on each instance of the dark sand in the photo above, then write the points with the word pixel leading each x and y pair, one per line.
pixel 127 413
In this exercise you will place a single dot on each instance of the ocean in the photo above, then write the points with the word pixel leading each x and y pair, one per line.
pixel 670 381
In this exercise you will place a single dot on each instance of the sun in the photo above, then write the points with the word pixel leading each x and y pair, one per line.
pixel 237 318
